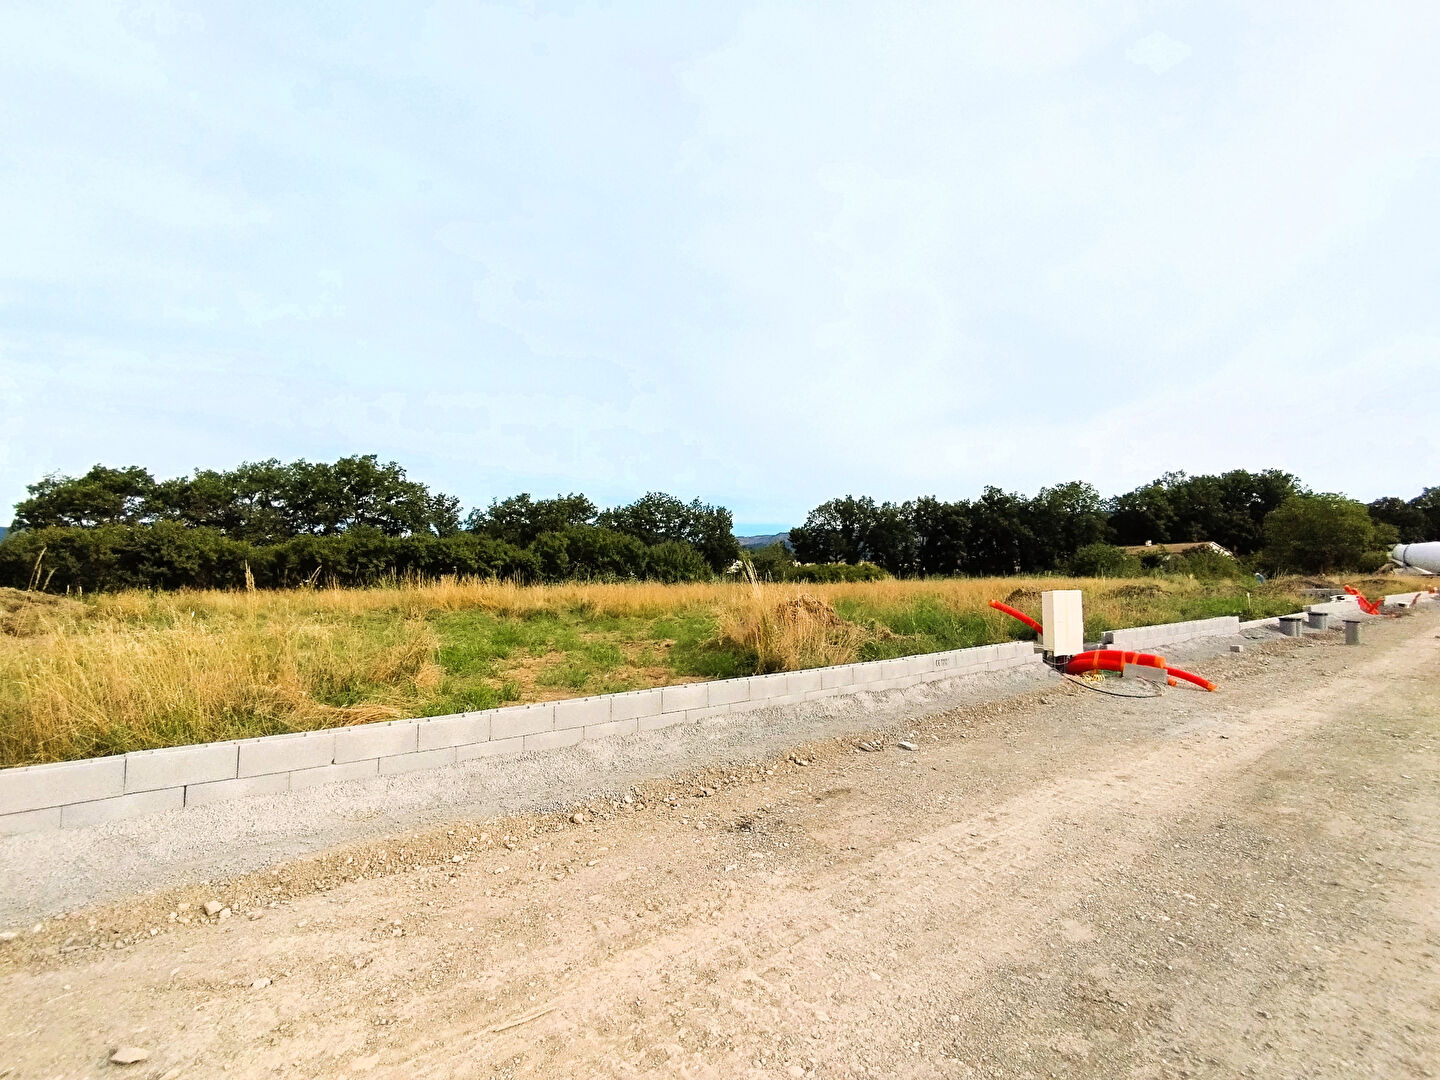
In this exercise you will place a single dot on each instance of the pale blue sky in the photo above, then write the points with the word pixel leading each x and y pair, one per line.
pixel 762 253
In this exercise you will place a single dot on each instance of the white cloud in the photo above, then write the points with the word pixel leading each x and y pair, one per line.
pixel 765 255
pixel 1158 51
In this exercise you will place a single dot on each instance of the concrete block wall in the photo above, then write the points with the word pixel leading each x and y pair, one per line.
pixel 75 793
pixel 1144 638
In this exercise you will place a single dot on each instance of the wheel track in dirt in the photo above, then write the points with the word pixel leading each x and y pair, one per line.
pixel 967 869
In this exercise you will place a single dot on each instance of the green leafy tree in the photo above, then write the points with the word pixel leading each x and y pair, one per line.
pixel 103 496
pixel 1061 520
pixel 657 518
pixel 837 531
pixel 942 531
pixel 890 542
pixel 1143 515
pixel 266 502
pixel 1228 509
pixel 1408 520
pixel 999 535
pixel 1428 503
pixel 520 520
pixel 1322 533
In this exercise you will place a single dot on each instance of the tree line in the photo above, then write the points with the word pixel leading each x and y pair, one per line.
pixel 353 522
pixel 1268 519
pixel 356 521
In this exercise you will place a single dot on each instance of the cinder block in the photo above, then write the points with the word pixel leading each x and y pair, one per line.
pixel 333 774
pixel 611 727
pixel 521 720
pixel 727 691
pixel 825 692
pixel 286 753
pixel 802 682
pixel 221 790
pixel 30 821
pixel 76 815
pixel 424 759
pixel 551 740
pixel 865 673
pixel 680 698
pixel 376 741
pixel 696 716
pixel 894 669
pixel 767 687
pixel 437 732
pixel 635 704
pixel 663 720
pixel 493 748
pixel 844 675
pixel 34 787
pixel 177 766
pixel 579 712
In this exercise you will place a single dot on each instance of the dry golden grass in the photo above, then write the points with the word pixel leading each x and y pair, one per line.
pixel 137 669
pixel 645 599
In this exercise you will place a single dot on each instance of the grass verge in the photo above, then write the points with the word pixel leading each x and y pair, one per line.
pixel 139 670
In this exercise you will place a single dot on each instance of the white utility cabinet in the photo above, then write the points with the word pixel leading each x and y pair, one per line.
pixel 1064 622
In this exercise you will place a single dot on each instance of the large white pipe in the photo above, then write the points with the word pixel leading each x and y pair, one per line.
pixel 1421 556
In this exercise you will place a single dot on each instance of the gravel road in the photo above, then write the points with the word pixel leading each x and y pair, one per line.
pixel 1059 884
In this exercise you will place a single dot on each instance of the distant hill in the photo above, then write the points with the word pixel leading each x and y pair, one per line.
pixel 765 541
pixel 3 531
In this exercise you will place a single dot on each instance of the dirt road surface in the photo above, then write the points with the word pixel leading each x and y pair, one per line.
pixel 1069 884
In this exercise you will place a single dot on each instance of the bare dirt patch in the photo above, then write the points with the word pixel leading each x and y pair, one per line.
pixel 1241 883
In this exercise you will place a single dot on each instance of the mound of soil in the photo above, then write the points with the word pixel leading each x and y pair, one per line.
pixel 807 608
pixel 1021 594
pixel 23 614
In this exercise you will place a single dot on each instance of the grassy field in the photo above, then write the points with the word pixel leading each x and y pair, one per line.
pixel 138 670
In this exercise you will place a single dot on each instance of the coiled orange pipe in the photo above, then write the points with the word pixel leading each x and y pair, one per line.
pixel 1116 659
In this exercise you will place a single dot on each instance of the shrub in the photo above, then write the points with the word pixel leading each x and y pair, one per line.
pixel 673 561
pixel 1372 561
pixel 831 573
pixel 772 563
pixel 1103 560
pixel 1207 565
